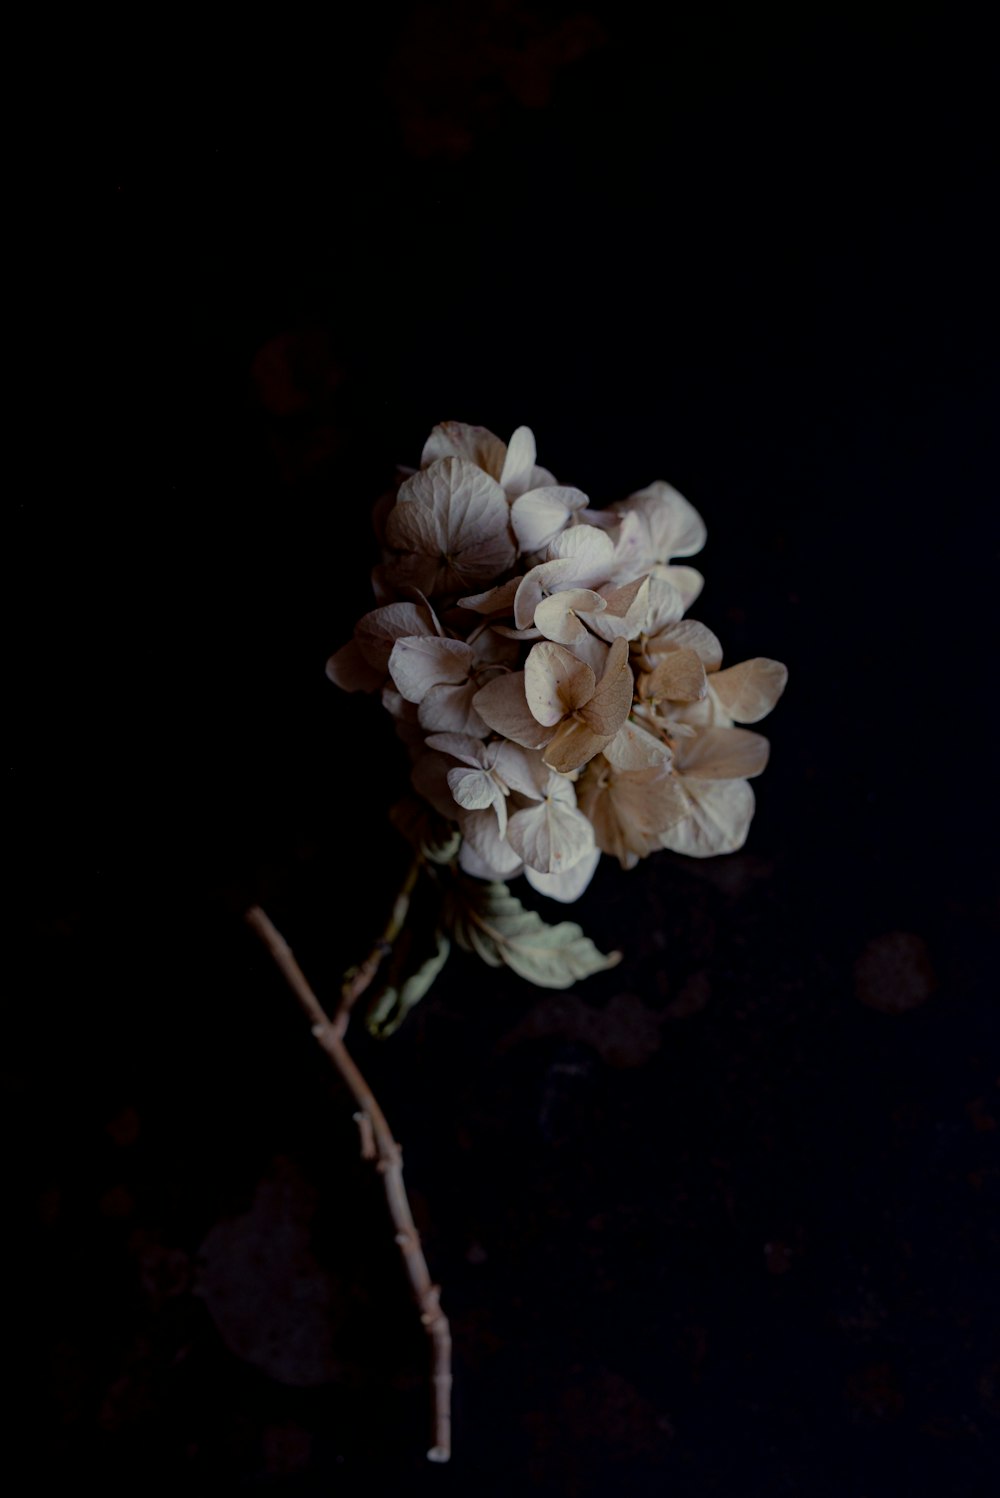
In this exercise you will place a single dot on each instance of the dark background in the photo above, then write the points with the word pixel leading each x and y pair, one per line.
pixel 723 1220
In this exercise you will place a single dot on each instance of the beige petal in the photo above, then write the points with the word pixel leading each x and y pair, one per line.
pixel 522 770
pixel 591 550
pixel 458 516
pixel 502 704
pixel 550 837
pixel 494 856
pixel 632 748
pixel 749 691
pixel 461 746
pixel 687 580
pixel 626 611
pixel 418 663
pixel 377 632
pixel 455 439
pixel 348 669
pixel 689 634
pixel 556 616
pixel 555 682
pixel 679 676
pixel 722 754
pixel 666 606
pixel 573 744
pixel 546 578
pixel 449 708
pixel 498 600
pixel 629 810
pixel 718 818
pixel 675 527
pixel 429 778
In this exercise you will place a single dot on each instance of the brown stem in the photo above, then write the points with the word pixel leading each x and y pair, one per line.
pixel 376 1143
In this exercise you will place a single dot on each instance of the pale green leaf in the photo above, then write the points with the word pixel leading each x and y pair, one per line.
pixel 488 920
pixel 388 1011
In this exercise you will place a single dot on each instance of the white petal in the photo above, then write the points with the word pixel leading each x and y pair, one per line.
pixel 519 463
pixel 472 789
pixel 569 885
pixel 539 515
pixel 590 550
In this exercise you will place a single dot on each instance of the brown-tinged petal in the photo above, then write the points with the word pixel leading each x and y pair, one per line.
pixel 555 682
pixel 608 708
pixel 625 612
pixel 629 809
pixel 678 676
pixel 633 748
pixel 348 669
pixel 458 516
pixel 503 706
pixel 749 690
pixel 456 439
pixel 722 754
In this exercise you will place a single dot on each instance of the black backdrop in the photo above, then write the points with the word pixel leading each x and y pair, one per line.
pixel 718 1223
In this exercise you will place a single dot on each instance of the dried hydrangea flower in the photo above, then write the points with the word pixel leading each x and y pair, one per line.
pixel 556 702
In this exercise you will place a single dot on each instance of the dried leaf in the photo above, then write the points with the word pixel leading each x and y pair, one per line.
pixel 488 920
pixel 389 1009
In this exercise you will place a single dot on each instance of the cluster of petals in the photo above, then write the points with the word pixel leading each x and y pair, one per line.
pixel 535 654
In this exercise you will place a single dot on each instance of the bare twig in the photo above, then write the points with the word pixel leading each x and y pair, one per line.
pixel 377 1142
